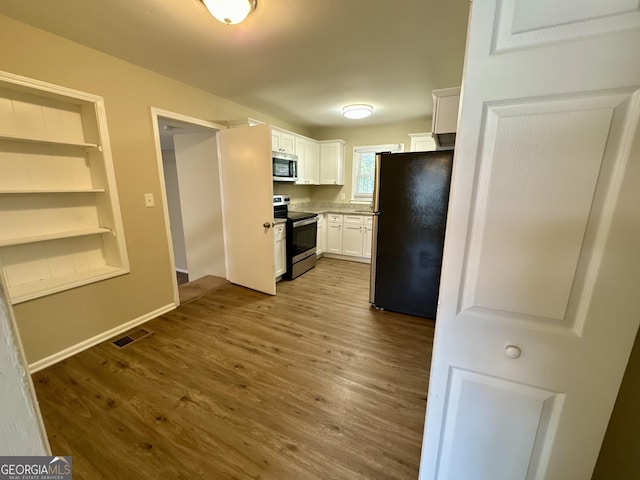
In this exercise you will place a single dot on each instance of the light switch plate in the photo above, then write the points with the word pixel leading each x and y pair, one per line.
pixel 148 200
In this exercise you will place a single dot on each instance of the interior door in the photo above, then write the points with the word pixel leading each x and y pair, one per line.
pixel 247 192
pixel 539 302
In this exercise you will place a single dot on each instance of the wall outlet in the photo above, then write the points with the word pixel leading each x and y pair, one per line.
pixel 148 200
pixel 342 196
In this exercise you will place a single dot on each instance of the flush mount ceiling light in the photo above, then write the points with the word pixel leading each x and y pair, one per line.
pixel 230 11
pixel 357 112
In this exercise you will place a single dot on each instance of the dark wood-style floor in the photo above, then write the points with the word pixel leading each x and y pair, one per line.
pixel 311 384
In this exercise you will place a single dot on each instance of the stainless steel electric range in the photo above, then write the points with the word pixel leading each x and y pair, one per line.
pixel 302 233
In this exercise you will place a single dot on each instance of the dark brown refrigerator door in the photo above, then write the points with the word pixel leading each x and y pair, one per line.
pixel 411 200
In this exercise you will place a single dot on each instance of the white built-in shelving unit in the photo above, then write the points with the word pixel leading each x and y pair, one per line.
pixel 60 224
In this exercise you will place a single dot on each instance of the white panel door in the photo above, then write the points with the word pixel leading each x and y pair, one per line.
pixel 539 302
pixel 247 192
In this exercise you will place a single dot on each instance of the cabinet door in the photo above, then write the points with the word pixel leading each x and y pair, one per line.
pixel 332 163
pixel 352 240
pixel 312 162
pixel 321 245
pixel 334 238
pixel 422 142
pixel 301 152
pixel 287 142
pixel 279 250
pixel 275 140
pixel 445 110
pixel 367 239
pixel 282 141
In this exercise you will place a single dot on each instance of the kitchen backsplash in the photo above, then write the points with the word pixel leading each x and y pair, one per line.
pixel 298 193
pixel 323 207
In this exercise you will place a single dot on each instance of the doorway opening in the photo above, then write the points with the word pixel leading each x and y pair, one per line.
pixel 190 169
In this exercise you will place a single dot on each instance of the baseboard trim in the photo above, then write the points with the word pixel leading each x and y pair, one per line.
pixel 101 337
pixel 348 258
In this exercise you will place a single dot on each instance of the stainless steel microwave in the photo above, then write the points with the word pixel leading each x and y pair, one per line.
pixel 285 167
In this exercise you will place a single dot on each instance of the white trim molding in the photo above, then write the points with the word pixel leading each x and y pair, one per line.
pixel 101 337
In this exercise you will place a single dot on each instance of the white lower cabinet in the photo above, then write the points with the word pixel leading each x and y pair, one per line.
pixel 334 233
pixel 349 235
pixel 352 235
pixel 280 249
pixel 367 238
pixel 321 244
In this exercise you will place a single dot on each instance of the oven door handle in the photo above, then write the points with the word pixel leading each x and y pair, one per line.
pixel 307 221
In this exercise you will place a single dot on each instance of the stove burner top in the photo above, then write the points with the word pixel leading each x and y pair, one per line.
pixel 300 215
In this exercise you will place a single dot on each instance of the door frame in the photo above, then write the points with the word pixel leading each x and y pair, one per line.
pixel 215 128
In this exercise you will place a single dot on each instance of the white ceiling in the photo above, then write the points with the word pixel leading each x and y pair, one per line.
pixel 298 60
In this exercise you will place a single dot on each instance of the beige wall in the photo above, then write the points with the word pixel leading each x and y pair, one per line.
pixel 53 323
pixel 298 193
pixel 360 136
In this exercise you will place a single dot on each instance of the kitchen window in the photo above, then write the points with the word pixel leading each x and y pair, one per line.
pixel 364 169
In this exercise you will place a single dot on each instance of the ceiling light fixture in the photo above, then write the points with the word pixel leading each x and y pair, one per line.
pixel 230 11
pixel 357 111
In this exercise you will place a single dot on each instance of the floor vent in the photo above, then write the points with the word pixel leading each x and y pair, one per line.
pixel 131 337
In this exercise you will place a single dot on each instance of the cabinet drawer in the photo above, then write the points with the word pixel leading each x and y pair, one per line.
pixel 353 219
pixel 368 220
pixel 334 218
pixel 279 229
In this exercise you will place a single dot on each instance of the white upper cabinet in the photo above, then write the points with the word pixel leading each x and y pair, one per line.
pixel 60 216
pixel 308 152
pixel 445 110
pixel 422 142
pixel 319 163
pixel 445 116
pixel 282 141
pixel 332 162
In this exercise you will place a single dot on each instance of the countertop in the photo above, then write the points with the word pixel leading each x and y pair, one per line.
pixel 326 207
pixel 277 221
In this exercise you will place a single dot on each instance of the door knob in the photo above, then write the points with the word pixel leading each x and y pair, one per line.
pixel 266 224
pixel 512 351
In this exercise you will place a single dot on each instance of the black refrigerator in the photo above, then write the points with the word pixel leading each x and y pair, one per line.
pixel 410 202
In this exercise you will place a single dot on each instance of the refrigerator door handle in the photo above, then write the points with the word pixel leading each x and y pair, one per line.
pixel 376 185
